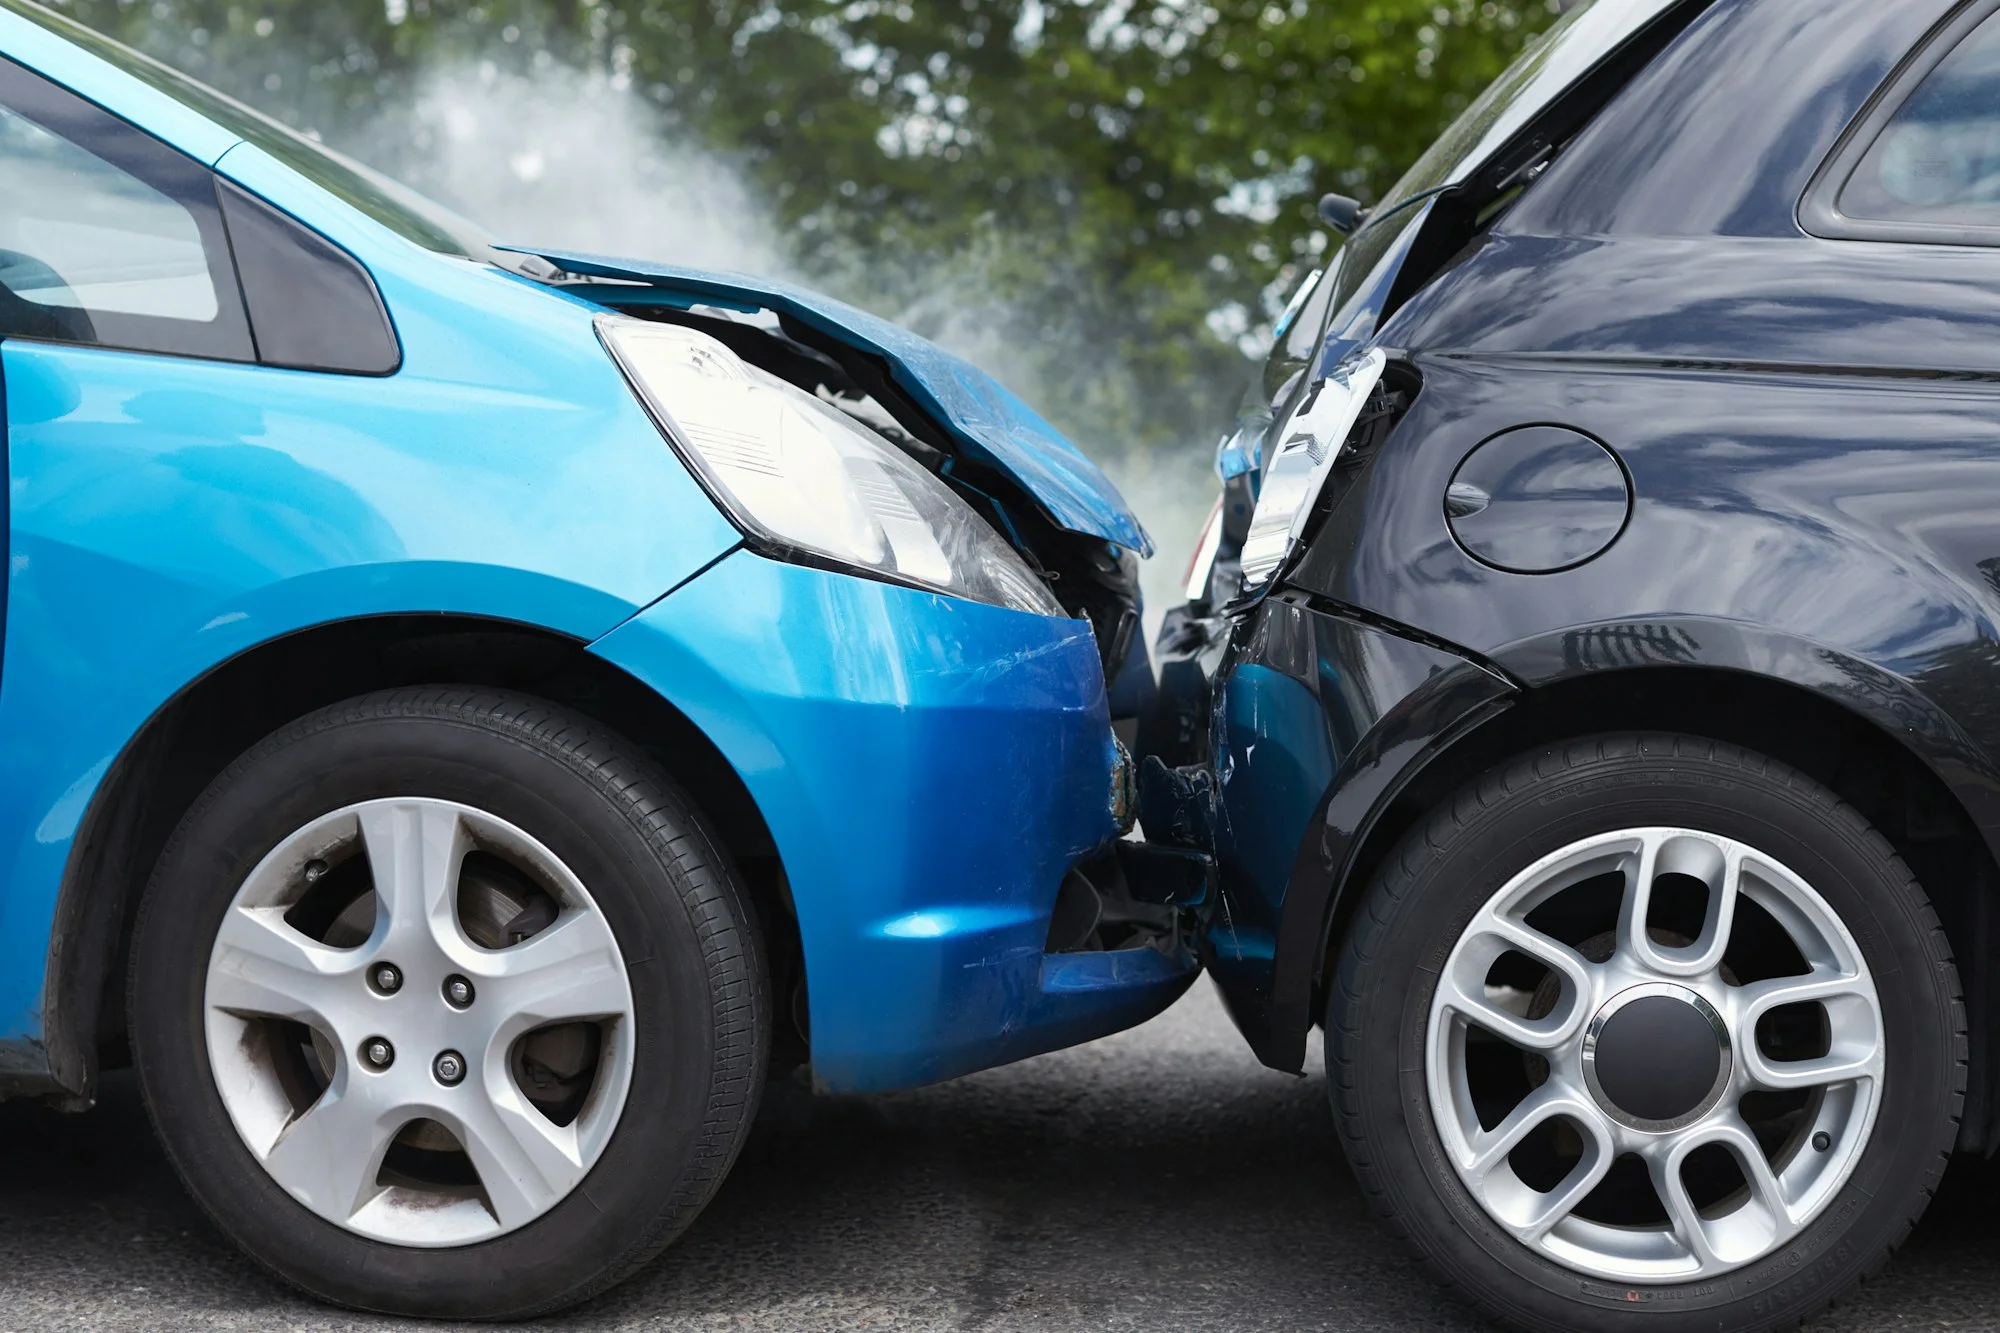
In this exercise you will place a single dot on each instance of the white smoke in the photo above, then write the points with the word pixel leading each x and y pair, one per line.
pixel 574 160
pixel 1172 494
pixel 568 159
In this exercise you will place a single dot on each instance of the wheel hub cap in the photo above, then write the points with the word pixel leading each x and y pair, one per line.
pixel 1657 1057
pixel 419 1022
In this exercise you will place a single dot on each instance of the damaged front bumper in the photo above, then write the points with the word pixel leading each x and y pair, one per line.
pixel 938 777
pixel 1280 735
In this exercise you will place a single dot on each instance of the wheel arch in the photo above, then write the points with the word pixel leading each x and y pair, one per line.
pixel 1871 737
pixel 198 732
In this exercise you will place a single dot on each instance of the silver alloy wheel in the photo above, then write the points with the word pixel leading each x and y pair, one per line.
pixel 1608 1046
pixel 344 1058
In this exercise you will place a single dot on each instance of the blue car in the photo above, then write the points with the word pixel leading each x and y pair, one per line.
pixel 469 715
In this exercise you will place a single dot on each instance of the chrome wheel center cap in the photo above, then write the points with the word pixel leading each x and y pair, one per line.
pixel 1657 1057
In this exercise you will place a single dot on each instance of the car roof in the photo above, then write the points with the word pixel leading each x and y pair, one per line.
pixel 1578 43
pixel 61 49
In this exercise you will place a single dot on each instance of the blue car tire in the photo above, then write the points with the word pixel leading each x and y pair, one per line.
pixel 445 1003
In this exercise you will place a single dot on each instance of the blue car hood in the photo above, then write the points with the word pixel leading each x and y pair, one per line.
pixel 989 423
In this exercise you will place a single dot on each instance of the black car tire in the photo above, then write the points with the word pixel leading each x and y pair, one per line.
pixel 1455 859
pixel 692 958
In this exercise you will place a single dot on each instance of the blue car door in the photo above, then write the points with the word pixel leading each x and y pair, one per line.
pixel 117 294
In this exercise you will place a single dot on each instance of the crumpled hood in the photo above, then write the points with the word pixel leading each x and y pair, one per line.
pixel 988 422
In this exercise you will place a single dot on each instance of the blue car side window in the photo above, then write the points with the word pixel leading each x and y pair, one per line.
pixel 108 236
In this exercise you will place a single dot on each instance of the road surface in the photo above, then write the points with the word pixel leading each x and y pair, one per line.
pixel 1157 1180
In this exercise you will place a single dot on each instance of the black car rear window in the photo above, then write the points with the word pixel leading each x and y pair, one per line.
pixel 1938 158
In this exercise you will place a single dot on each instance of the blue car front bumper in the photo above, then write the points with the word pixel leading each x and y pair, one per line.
pixel 929 769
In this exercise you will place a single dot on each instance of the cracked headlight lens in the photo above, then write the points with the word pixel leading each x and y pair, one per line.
pixel 803 478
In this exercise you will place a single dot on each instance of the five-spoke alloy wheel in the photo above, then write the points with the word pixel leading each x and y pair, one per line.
pixel 1668 996
pixel 445 1002
pixel 368 1093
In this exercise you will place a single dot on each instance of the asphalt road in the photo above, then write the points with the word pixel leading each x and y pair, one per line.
pixel 1156 1180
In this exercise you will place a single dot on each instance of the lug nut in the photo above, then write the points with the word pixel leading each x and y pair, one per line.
pixel 458 992
pixel 378 1053
pixel 385 978
pixel 1822 1141
pixel 449 1067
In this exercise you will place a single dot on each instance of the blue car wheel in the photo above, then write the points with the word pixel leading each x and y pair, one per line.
pixel 445 1004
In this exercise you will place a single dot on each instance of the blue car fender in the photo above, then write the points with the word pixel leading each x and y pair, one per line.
pixel 930 769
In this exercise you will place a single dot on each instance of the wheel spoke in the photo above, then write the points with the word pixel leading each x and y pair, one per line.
pixel 572 970
pixel 1543 1034
pixel 1853 1022
pixel 330 1157
pixel 1585 1176
pixel 1665 1170
pixel 414 852
pixel 1759 998
pixel 1487 1150
pixel 1528 1212
pixel 1765 1192
pixel 1721 869
pixel 1752 1228
pixel 525 1163
pixel 1544 949
pixel 262 968
pixel 1463 986
pixel 1848 1061
pixel 1705 954
pixel 1638 896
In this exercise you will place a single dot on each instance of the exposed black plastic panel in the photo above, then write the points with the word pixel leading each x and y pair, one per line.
pixel 312 306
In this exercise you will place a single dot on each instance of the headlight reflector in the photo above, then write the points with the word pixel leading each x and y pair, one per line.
pixel 1306 450
pixel 802 476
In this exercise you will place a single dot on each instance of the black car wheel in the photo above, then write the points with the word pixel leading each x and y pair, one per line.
pixel 444 1002
pixel 1647 1028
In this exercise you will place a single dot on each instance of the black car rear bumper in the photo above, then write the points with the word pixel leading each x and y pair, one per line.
pixel 1290 729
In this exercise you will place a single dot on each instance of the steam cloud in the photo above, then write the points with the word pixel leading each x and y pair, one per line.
pixel 570 159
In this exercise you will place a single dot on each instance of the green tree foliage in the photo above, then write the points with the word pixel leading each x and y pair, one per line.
pixel 1131 185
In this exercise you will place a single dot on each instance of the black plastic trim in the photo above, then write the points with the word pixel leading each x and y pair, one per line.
pixel 312 305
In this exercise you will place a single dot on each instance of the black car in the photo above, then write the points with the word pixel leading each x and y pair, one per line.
pixel 1589 693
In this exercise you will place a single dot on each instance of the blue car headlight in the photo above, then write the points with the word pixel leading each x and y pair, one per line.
pixel 805 480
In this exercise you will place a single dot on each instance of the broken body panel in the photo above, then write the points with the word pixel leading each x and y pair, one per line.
pixel 982 417
pixel 1042 493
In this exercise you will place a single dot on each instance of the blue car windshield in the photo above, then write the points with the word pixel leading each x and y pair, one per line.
pixel 395 206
